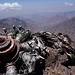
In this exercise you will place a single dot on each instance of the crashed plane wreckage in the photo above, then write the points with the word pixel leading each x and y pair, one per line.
pixel 24 53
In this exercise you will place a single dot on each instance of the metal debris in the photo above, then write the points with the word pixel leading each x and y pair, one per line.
pixel 26 53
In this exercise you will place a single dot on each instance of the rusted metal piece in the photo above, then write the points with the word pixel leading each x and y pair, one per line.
pixel 6 42
pixel 8 49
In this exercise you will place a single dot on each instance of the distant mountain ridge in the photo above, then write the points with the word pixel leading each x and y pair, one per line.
pixel 52 19
pixel 26 23
pixel 49 21
pixel 66 27
pixel 60 22
pixel 12 21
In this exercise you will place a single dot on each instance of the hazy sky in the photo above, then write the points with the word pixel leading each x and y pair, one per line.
pixel 27 7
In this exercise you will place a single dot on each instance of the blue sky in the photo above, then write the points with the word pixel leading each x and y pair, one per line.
pixel 27 7
pixel 22 1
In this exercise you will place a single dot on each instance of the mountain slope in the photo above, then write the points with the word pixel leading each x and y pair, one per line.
pixel 12 21
pixel 67 27
pixel 26 23
pixel 2 25
pixel 46 21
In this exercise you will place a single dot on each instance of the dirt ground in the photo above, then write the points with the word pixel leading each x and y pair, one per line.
pixel 54 64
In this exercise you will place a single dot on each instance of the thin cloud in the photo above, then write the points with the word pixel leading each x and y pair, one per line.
pixel 10 6
pixel 68 4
